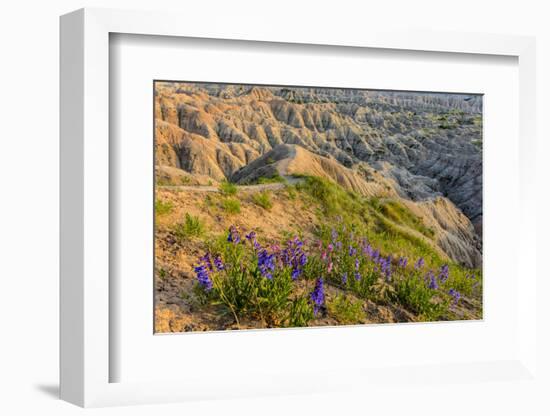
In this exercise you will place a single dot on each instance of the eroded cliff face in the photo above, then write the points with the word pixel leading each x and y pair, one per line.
pixel 424 149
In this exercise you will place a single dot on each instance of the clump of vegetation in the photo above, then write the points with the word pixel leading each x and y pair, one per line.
pixel 272 179
pixel 399 213
pixel 192 226
pixel 346 310
pixel 284 284
pixel 242 275
pixel 161 181
pixel 263 199
pixel 231 205
pixel 163 207
pixel 291 192
pixel 228 188
pixel 334 199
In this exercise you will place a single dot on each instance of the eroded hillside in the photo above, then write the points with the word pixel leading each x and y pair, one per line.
pixel 421 149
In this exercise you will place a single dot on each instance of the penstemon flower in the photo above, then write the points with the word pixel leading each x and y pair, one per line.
pixel 234 236
pixel 317 296
pixel 206 261
pixel 444 273
pixel 266 263
pixel 218 263
pixel 203 277
pixel 455 294
pixel 431 280
pixel 419 264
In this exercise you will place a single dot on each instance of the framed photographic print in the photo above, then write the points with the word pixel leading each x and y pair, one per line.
pixel 237 211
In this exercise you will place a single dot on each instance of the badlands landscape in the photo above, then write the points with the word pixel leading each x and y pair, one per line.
pixel 290 207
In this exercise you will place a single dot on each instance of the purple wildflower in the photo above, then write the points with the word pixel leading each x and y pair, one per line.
pixel 338 245
pixel 357 276
pixel 385 267
pixel 367 250
pixel 203 277
pixel 330 247
pixel 352 251
pixel 251 236
pixel 444 273
pixel 455 294
pixel 432 282
pixel 293 255
pixel 266 263
pixel 206 261
pixel 419 264
pixel 344 278
pixel 218 263
pixel 403 262
pixel 317 296
pixel 356 264
pixel 234 236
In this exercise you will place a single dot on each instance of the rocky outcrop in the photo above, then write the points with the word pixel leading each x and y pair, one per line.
pixel 420 147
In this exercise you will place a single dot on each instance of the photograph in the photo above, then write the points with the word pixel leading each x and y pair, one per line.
pixel 279 206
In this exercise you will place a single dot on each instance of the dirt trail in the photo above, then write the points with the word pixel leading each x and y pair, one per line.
pixel 290 180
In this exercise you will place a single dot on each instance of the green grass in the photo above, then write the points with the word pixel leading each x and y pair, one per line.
pixel 228 188
pixel 231 206
pixel 334 200
pixel 263 199
pixel 163 208
pixel 399 213
pixel 413 293
pixel 273 179
pixel 346 310
pixel 192 226
pixel 388 223
pixel 163 181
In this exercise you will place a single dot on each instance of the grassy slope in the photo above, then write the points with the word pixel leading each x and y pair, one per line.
pixel 187 221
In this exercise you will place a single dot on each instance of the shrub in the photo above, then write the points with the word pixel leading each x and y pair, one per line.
pixel 231 206
pixel 245 278
pixel 163 208
pixel 191 227
pixel 263 199
pixel 346 310
pixel 228 188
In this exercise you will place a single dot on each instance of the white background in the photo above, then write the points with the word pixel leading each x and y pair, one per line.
pixel 29 209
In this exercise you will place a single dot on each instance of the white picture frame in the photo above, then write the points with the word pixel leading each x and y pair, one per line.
pixel 85 220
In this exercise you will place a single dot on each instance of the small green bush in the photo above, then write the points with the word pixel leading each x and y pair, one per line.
pixel 191 227
pixel 263 199
pixel 163 208
pixel 228 188
pixel 345 310
pixel 231 206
